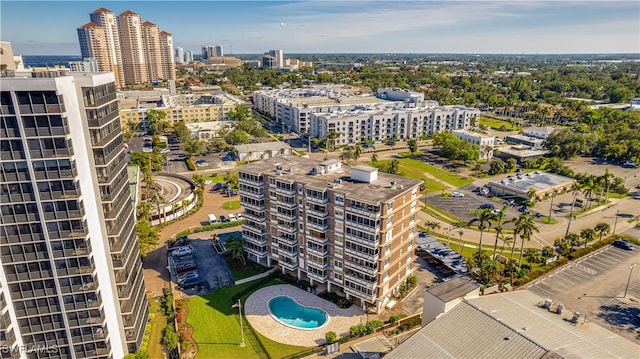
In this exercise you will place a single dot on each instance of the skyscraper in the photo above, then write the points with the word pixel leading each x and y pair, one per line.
pixel 179 55
pixel 209 51
pixel 136 51
pixel 71 277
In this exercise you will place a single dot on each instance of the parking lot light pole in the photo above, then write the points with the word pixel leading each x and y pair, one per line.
pixel 239 306
pixel 616 222
pixel 628 280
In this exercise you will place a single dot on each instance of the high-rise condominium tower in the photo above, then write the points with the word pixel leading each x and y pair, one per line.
pixel 70 275
pixel 136 51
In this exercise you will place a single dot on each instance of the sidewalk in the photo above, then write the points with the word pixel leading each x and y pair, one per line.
pixel 257 276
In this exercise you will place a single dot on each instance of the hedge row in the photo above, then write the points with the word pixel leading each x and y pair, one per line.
pixel 207 228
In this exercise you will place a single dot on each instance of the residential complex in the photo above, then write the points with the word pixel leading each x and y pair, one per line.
pixel 71 276
pixel 209 51
pixel 346 229
pixel 485 142
pixel 357 118
pixel 135 51
pixel 188 108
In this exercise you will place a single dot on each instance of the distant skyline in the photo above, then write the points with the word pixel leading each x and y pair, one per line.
pixel 352 26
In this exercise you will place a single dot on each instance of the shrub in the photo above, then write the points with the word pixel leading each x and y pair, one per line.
pixel 357 331
pixel 373 325
pixel 330 337
pixel 393 319
pixel 170 338
pixel 341 302
pixel 191 165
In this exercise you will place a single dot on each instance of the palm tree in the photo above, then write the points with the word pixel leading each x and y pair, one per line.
pixel 374 158
pixel 347 155
pixel 601 229
pixel 433 225
pixel 484 217
pixel 588 189
pixel 147 178
pixel 563 245
pixel 575 189
pixel 159 200
pixel 357 151
pixel 395 165
pixel 460 233
pixel 499 226
pixel 532 255
pixel 587 234
pixel 143 211
pixel 574 239
pixel 331 138
pixel 235 246
pixel 605 181
pixel 524 226
pixel 199 181
pixel 491 270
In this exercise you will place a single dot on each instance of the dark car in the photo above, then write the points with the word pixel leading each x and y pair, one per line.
pixel 228 158
pixel 487 206
pixel 622 244
pixel 185 266
pixel 217 186
pixel 223 219
pixel 189 283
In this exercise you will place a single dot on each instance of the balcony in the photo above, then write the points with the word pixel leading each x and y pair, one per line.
pixel 318 277
pixel 361 240
pixel 318 252
pixel 369 257
pixel 361 268
pixel 356 293
pixel 254 195
pixel 255 218
pixel 287 205
pixel 260 240
pixel 317 213
pixel 362 227
pixel 369 211
pixel 317 226
pixel 290 252
pixel 256 252
pixel 252 205
pixel 285 240
pixel 250 182
pixel 288 217
pixel 319 240
pixel 286 191
pixel 287 228
pixel 371 284
pixel 318 200
pixel 246 226
pixel 287 264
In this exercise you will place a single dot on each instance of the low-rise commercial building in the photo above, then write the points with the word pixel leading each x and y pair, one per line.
pixel 263 150
pixel 543 183
pixel 344 229
pixel 486 143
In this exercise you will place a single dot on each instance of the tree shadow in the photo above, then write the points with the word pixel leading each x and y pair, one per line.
pixel 621 316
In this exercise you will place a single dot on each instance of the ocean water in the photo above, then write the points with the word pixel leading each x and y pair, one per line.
pixel 46 60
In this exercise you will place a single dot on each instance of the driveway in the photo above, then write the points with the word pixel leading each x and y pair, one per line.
pixel 212 268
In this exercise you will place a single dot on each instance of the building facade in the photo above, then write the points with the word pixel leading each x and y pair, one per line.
pixel 346 230
pixel 71 276
pixel 135 51
pixel 486 143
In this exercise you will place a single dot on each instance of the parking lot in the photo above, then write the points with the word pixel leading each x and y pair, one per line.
pixel 595 286
pixel 462 207
pixel 211 267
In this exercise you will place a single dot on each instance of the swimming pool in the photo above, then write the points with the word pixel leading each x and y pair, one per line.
pixel 288 312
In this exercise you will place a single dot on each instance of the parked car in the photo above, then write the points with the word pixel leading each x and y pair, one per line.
pixel 487 206
pixel 239 215
pixel 217 186
pixel 620 243
pixel 457 194
pixel 510 202
pixel 523 209
pixel 187 275
pixel 182 251
pixel 232 217
pixel 223 219
pixel 202 164
pixel 165 150
pixel 189 283
pixel 228 158
pixel 185 266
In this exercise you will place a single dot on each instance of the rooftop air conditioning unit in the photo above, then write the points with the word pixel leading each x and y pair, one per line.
pixel 393 183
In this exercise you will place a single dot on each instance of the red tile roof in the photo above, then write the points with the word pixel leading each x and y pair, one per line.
pixel 128 12
pixel 90 24
pixel 101 10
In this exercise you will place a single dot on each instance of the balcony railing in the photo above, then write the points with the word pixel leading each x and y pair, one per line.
pixel 361 240
pixel 373 212
pixel 251 205
pixel 318 277
pixel 288 265
pixel 359 294
pixel 318 226
pixel 370 257
pixel 317 252
pixel 359 267
pixel 287 228
pixel 319 240
pixel 317 213
pixel 285 240
pixel 371 284
pixel 289 217
pixel 369 229
pixel 254 195
pixel 318 200
pixel 256 252
pixel 286 204
pixel 290 192
pixel 255 218
pixel 259 183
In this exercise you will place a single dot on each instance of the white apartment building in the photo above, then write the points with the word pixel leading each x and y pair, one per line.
pixel 395 121
pixel 86 65
pixel 539 132
pixel 486 143
pixel 349 230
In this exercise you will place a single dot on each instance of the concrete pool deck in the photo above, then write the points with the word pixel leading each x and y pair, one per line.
pixel 257 313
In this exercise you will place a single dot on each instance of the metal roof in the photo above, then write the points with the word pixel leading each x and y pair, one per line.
pixel 452 289
pixel 465 332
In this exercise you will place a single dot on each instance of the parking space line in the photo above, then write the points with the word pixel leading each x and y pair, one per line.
pixel 581 273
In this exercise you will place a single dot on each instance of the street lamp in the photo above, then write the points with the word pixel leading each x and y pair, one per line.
pixel 553 194
pixel 616 222
pixel 239 306
pixel 628 280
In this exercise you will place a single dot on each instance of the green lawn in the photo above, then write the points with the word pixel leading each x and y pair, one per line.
pixel 238 271
pixel 216 328
pixel 497 124
pixel 413 168
pixel 158 323
pixel 231 205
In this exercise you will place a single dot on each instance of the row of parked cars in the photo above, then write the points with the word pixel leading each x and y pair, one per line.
pixel 230 218
pixel 185 267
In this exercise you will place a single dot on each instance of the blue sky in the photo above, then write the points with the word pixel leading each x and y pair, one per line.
pixel 348 26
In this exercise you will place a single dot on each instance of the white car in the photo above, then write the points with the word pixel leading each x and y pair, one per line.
pixel 232 217
pixel 182 251
pixel 165 150
pixel 457 194
pixel 202 164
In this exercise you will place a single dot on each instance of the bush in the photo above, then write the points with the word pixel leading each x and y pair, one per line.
pixel 393 319
pixel 170 338
pixel 330 337
pixel 373 325
pixel 357 331
pixel 341 302
pixel 191 165
pixel 207 228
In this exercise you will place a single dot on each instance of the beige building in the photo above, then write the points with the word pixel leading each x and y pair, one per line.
pixel 346 230
pixel 135 51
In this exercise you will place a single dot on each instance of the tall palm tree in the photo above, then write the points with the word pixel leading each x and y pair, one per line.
pixel 499 226
pixel 432 225
pixel 575 189
pixel 143 210
pixel 588 190
pixel 484 217
pixel 524 226
pixel 331 138
pixel 605 181
pixel 147 178
pixel 374 158
pixel 395 165
pixel 235 246
pixel 601 229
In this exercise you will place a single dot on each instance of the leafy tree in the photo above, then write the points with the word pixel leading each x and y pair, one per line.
pixel 157 122
pixel 496 167
pixel 147 237
pixel 239 113
pixel 330 139
pixel 413 146
pixel 587 234
pixel 235 246
pixel 491 270
pixel 181 131
pixel 374 158
pixel 601 229
pixel 237 137
pixel 146 160
pixel 510 164
pixel 192 147
pixel 232 179
pixel 143 210
pixel 395 165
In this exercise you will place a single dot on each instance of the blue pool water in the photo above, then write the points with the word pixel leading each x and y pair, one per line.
pixel 288 312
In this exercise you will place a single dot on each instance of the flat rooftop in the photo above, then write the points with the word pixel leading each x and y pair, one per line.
pixel 454 288
pixel 300 169
pixel 540 181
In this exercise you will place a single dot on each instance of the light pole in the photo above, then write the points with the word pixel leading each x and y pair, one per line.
pixel 553 194
pixel 616 222
pixel 573 204
pixel 239 306
pixel 628 280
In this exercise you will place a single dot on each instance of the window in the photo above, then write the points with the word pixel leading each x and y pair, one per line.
pixel 337 264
